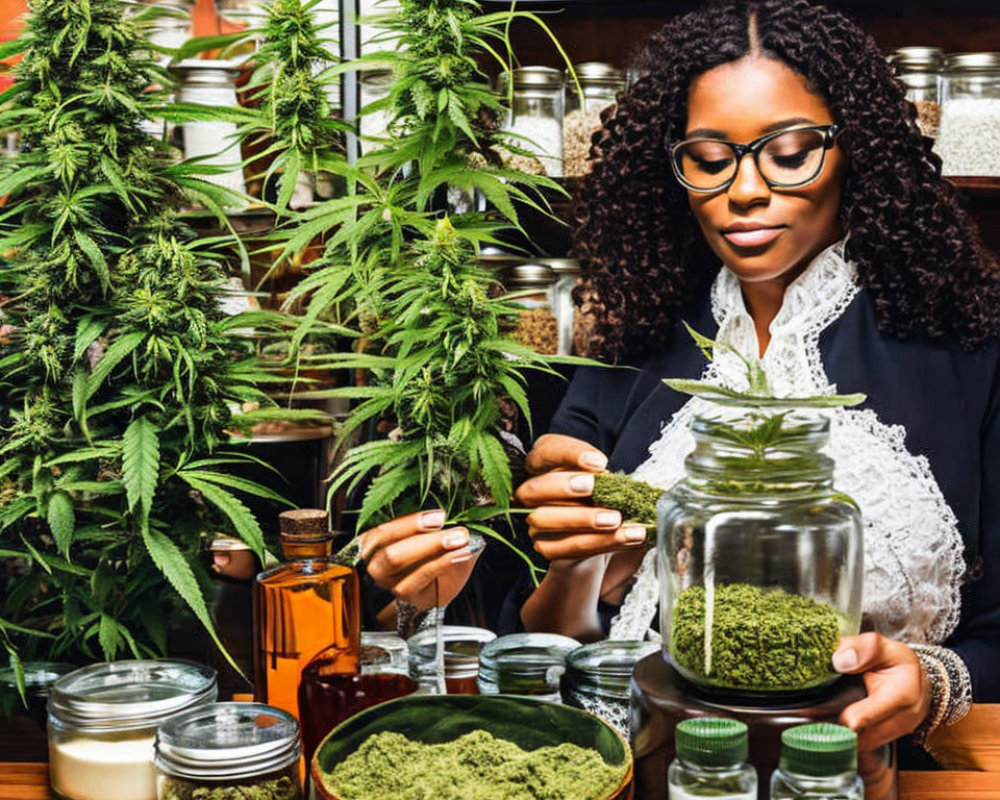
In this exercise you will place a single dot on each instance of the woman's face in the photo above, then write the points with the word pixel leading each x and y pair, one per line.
pixel 760 233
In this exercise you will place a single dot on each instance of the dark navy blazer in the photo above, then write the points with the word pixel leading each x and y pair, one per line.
pixel 945 398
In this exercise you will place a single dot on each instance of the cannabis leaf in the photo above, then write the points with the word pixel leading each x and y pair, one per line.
pixel 140 464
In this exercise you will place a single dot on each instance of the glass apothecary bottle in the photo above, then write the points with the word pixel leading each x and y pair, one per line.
pixel 760 557
pixel 525 664
pixel 599 85
pixel 307 605
pixel 921 70
pixel 103 719
pixel 597 678
pixel 229 750
pixel 969 142
pixel 711 761
pixel 537 325
pixel 536 114
pixel 462 644
pixel 818 760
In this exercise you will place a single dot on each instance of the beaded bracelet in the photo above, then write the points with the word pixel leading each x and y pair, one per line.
pixel 950 685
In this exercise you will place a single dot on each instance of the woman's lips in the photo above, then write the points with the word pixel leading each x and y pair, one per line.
pixel 753 237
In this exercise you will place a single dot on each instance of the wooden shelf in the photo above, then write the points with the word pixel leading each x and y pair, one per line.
pixel 978 187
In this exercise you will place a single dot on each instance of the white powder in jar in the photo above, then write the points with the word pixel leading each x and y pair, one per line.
pixel 96 769
pixel 969 141
pixel 543 137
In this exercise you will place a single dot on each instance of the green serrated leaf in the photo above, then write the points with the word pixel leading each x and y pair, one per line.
pixel 140 464
pixel 247 527
pixel 108 637
pixel 62 520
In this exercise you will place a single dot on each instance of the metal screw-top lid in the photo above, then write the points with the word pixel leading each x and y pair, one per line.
pixel 206 72
pixel 461 649
pixel 305 525
pixel 38 675
pixel 528 276
pixel 525 663
pixel 973 62
pixel 532 78
pixel 711 741
pixel 227 740
pixel 561 266
pixel 607 665
pixel 819 749
pixel 927 59
pixel 596 72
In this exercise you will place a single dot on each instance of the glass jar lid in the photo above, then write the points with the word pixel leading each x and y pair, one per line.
pixel 227 740
pixel 383 651
pixel 562 266
pixel 595 73
pixel 125 695
pixel 462 644
pixel 538 657
pixel 973 62
pixel 532 78
pixel 207 72
pixel 38 675
pixel 529 276
pixel 607 664
pixel 923 59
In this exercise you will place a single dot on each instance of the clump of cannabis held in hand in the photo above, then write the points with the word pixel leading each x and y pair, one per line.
pixel 636 500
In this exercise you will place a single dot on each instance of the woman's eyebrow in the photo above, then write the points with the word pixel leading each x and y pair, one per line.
pixel 712 133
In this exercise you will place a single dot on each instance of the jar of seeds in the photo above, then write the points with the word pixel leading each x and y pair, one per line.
pixel 969 142
pixel 535 116
pixel 921 69
pixel 533 286
pixel 598 90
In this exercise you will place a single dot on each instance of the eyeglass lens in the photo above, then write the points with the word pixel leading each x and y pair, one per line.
pixel 794 157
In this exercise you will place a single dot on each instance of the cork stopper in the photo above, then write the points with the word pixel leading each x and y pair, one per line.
pixel 305 525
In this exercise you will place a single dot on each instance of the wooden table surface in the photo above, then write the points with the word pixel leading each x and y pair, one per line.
pixel 31 782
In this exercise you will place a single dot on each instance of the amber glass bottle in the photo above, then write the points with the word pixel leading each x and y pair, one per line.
pixel 301 607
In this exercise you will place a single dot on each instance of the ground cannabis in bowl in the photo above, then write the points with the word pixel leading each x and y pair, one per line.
pixel 635 500
pixel 476 766
pixel 762 639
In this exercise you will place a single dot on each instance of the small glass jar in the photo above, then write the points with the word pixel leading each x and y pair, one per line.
pixel 818 760
pixel 598 675
pixel 38 679
pixel 215 142
pixel 374 124
pixel 103 719
pixel 537 325
pixel 229 751
pixel 599 87
pixel 567 272
pixel 760 558
pixel 535 116
pixel 525 664
pixel 462 644
pixel 921 69
pixel 382 652
pixel 969 142
pixel 711 761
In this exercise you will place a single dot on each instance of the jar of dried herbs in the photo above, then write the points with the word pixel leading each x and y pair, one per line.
pixel 532 286
pixel 596 89
pixel 920 69
pixel 229 751
pixel 525 664
pixel 760 558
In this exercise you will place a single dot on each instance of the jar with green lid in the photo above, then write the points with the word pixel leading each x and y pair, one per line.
pixel 599 85
pixel 711 761
pixel 818 760
pixel 103 720
pixel 759 556
pixel 525 664
pixel 535 116
pixel 921 70
pixel 462 644
pixel 598 675
pixel 229 751
pixel 969 142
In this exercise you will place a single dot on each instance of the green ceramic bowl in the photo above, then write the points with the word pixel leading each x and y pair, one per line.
pixel 434 719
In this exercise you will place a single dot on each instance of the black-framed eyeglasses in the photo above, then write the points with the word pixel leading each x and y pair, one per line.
pixel 787 159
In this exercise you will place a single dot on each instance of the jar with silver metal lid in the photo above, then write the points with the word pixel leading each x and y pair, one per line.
pixel 920 69
pixel 567 272
pixel 38 679
pixel 599 85
pixel 535 117
pixel 532 287
pixel 525 664
pixel 103 719
pixel 462 644
pixel 229 751
pixel 969 143
pixel 597 678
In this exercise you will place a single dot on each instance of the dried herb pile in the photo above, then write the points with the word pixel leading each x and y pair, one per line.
pixel 762 639
pixel 476 766
pixel 283 785
pixel 636 500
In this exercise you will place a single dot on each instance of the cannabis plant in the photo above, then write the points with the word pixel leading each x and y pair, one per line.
pixel 120 376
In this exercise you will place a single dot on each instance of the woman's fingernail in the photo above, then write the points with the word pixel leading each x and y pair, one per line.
pixel 608 519
pixel 458 558
pixel 455 538
pixel 430 520
pixel 593 459
pixel 634 533
pixel 845 660
pixel 582 484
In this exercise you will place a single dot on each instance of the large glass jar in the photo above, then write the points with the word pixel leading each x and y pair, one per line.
pixel 920 69
pixel 525 664
pixel 567 273
pixel 969 143
pixel 227 751
pixel 599 85
pixel 536 114
pixel 760 557
pixel 103 719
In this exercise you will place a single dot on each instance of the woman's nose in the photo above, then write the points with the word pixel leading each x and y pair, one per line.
pixel 748 187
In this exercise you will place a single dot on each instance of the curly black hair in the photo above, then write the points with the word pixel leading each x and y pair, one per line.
pixel 917 250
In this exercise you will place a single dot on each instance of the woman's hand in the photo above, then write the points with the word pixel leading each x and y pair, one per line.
pixel 563 525
pixel 407 554
pixel 898 695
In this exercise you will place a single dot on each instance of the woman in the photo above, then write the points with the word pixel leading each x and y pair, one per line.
pixel 771 136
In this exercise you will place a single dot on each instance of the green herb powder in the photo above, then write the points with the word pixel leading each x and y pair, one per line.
pixel 283 785
pixel 635 500
pixel 764 639
pixel 476 766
